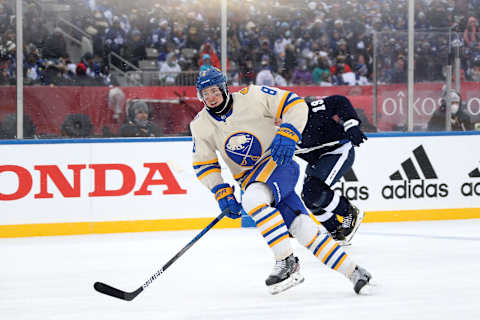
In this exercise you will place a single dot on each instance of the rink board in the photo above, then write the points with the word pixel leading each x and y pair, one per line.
pixel 61 187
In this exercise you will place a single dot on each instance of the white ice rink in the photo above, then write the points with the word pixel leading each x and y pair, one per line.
pixel 423 270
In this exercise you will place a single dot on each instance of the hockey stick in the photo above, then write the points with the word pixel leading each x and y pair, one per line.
pixel 128 296
pixel 328 144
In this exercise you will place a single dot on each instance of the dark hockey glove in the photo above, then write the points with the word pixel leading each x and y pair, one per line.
pixel 353 132
pixel 226 200
pixel 283 144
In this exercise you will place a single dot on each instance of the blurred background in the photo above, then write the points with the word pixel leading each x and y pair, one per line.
pixel 117 68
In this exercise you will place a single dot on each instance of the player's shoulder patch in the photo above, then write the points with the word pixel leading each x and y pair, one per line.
pixel 244 91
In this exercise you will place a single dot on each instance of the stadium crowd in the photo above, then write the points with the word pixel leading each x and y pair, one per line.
pixel 269 42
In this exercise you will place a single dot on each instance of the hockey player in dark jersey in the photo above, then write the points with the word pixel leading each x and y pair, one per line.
pixel 326 165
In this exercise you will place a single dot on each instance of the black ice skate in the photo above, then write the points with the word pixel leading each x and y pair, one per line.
pixel 345 232
pixel 360 278
pixel 285 274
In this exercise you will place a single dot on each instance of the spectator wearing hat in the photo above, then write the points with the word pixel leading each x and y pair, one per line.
pixel 139 123
pixel 207 48
pixel 460 120
pixel 77 126
pixel 115 37
pixel 265 76
pixel 169 70
pixel 161 35
pixel 206 62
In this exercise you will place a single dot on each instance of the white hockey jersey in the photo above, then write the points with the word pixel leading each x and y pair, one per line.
pixel 243 137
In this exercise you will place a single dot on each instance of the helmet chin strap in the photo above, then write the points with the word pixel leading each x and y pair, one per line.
pixel 223 107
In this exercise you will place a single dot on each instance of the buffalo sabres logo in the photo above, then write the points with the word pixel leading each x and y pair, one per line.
pixel 243 148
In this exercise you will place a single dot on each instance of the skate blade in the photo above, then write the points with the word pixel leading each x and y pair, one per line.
pixel 295 279
pixel 369 289
pixel 348 239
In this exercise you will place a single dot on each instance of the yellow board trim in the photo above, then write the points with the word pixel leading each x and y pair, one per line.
pixel 99 227
pixel 420 215
pixel 78 228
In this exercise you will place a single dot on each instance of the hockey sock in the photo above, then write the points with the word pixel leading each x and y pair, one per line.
pixel 322 245
pixel 271 225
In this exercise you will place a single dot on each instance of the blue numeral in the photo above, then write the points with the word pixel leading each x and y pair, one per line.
pixel 269 91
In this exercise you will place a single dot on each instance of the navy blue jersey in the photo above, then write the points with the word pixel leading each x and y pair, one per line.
pixel 325 123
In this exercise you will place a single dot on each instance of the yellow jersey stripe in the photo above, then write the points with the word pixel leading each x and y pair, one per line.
pixel 203 175
pixel 282 102
pixel 199 163
pixel 291 105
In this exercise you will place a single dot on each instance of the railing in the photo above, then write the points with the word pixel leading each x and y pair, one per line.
pixel 61 21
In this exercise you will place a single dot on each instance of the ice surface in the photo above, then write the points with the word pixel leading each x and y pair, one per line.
pixel 423 270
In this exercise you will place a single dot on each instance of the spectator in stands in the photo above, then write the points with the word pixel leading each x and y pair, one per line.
pixel 9 127
pixel 207 48
pixel 471 34
pixel 265 76
pixel 169 70
pixel 77 126
pixel 302 75
pixel 399 74
pixel 139 123
pixel 460 120
pixel 135 48
pixel 115 38
pixel 206 62
pixel 321 72
pixel 474 71
pixel 266 52
pixel 55 45
pixel 247 71
pixel 161 35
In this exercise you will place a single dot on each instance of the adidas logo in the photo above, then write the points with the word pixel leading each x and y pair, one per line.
pixel 352 192
pixel 469 188
pixel 422 169
pixel 410 170
pixel 475 173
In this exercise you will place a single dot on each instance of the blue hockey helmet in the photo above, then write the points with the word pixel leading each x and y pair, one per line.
pixel 213 77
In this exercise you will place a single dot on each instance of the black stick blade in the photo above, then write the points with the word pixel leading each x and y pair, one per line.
pixel 113 292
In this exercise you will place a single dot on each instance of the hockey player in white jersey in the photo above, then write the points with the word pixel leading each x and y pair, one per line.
pixel 241 128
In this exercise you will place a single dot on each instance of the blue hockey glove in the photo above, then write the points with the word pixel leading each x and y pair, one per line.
pixel 283 144
pixel 353 132
pixel 226 200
